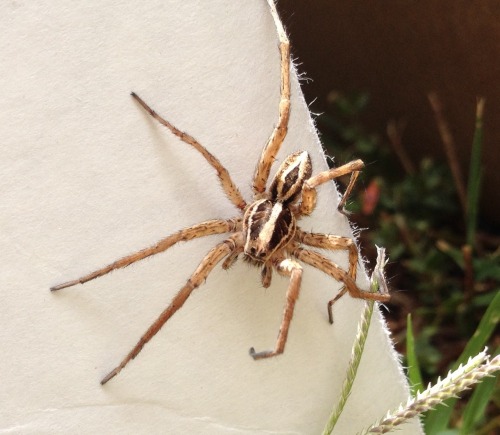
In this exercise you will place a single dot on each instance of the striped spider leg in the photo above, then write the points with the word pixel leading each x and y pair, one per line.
pixel 277 137
pixel 293 183
pixel 265 233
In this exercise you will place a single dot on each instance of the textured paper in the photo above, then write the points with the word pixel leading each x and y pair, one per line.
pixel 87 177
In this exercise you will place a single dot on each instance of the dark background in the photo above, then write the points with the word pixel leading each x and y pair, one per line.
pixel 397 52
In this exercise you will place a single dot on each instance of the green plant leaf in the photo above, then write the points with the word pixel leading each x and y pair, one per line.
pixel 475 409
pixel 414 374
pixel 474 187
pixel 438 420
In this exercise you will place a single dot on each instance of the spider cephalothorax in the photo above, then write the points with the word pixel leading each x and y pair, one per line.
pixel 266 231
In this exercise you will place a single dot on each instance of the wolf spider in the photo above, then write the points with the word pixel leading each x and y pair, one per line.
pixel 266 232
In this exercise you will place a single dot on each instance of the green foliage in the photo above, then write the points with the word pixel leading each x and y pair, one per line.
pixel 475 411
pixel 474 187
pixel 438 420
pixel 414 375
pixel 417 216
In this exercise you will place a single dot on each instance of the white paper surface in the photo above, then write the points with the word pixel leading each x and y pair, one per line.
pixel 87 177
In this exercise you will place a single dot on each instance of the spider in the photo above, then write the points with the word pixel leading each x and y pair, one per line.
pixel 265 233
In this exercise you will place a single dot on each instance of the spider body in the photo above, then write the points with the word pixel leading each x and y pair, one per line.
pixel 266 232
pixel 269 224
pixel 267 227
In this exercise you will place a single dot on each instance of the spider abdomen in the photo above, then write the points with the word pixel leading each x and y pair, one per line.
pixel 268 226
pixel 287 183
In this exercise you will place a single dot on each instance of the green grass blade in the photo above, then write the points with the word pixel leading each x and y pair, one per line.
pixel 438 420
pixel 474 185
pixel 483 332
pixel 475 409
pixel 414 374
pixel 352 369
pixel 377 283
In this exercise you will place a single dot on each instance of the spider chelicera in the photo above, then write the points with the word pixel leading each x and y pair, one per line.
pixel 266 233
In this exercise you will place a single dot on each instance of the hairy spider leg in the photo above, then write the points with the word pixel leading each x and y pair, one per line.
pixel 215 255
pixel 279 132
pixel 309 194
pixel 308 204
pixel 208 228
pixel 330 268
pixel 229 187
pixel 333 243
pixel 293 270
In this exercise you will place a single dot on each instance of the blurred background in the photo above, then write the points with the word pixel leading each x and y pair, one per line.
pixel 399 85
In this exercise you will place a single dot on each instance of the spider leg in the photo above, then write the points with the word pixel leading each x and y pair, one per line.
pixel 227 183
pixel 308 202
pixel 207 228
pixel 279 132
pixel 215 255
pixel 292 269
pixel 332 243
pixel 232 258
pixel 347 193
pixel 330 268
